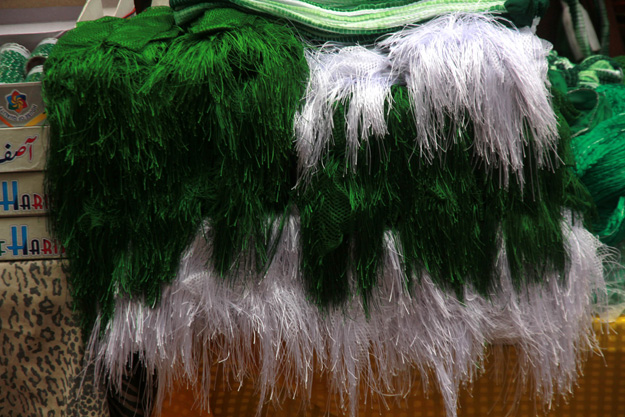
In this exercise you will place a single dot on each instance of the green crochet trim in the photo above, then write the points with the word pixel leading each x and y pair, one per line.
pixel 348 19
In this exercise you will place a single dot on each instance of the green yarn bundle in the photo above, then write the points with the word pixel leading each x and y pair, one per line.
pixel 168 128
pixel 600 156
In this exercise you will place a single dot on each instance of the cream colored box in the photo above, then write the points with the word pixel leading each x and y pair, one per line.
pixel 22 194
pixel 26 238
pixel 24 148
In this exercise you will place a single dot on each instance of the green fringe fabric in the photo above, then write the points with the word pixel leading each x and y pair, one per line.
pixel 155 129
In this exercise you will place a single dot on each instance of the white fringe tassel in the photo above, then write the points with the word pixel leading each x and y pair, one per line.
pixel 268 330
pixel 459 69
pixel 348 74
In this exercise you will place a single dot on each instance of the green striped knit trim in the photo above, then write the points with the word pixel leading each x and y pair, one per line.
pixel 374 20
pixel 335 5
pixel 605 27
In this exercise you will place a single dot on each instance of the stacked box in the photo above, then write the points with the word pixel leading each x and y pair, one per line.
pixel 42 365
pixel 24 234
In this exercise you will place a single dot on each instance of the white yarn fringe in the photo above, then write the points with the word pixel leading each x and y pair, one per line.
pixel 355 75
pixel 268 330
pixel 459 69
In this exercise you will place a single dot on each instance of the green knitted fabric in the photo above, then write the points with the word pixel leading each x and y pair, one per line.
pixel 355 19
pixel 600 156
pixel 604 24
pixel 154 130
pixel 594 106
pixel 579 28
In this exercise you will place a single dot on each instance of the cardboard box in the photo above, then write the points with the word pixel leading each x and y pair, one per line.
pixel 22 194
pixel 23 148
pixel 27 238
